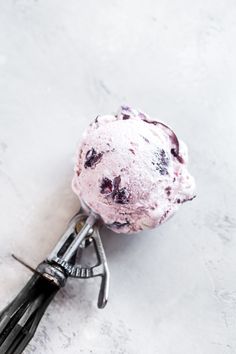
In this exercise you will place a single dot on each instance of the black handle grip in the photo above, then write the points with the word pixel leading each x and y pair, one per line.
pixel 20 319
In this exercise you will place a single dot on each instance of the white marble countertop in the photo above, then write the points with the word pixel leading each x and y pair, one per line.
pixel 173 290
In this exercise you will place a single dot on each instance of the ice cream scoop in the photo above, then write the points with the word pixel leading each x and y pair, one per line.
pixel 20 318
pixel 131 170
pixel 131 174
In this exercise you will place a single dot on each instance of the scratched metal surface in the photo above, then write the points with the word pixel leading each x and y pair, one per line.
pixel 173 289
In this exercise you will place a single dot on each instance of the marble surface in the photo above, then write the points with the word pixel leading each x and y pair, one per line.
pixel 173 290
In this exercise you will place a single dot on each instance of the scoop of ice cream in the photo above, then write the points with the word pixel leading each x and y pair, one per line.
pixel 131 170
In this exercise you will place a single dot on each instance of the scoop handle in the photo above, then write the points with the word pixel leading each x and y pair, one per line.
pixel 19 320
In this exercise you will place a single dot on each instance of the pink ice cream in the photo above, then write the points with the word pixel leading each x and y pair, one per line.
pixel 131 170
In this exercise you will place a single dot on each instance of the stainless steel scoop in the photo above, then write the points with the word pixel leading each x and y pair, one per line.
pixel 19 320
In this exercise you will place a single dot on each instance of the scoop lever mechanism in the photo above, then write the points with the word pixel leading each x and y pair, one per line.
pixel 82 232
pixel 20 319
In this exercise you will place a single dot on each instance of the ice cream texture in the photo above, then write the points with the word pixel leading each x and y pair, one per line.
pixel 131 171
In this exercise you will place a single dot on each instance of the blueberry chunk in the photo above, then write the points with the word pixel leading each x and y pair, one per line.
pixel 92 158
pixel 106 186
pixel 121 196
pixel 119 225
pixel 113 190
pixel 161 161
pixel 116 183
pixel 168 191
pixel 146 139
